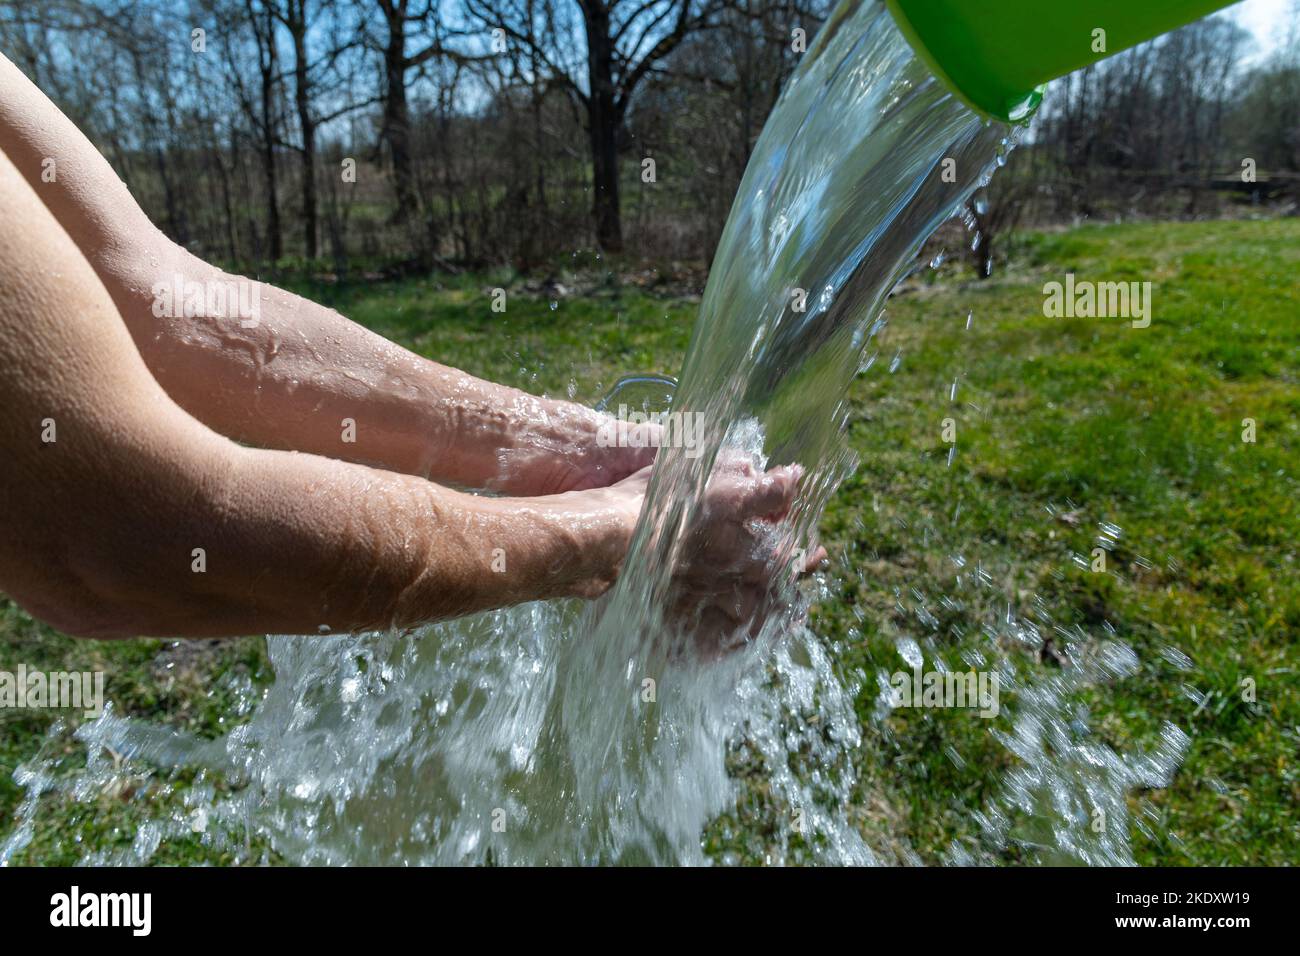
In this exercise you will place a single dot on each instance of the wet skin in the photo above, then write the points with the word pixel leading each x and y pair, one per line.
pixel 195 475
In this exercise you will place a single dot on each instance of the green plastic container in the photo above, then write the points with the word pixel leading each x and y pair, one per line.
pixel 997 54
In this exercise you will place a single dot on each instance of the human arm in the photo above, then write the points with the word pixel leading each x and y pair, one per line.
pixel 289 376
pixel 124 515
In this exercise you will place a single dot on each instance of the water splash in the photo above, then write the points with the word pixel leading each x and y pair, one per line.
pixel 562 733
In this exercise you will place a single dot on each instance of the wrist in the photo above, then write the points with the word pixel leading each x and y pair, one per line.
pixel 553 546
pixel 595 531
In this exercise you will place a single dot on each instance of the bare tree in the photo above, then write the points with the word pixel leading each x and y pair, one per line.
pixel 263 109
pixel 313 67
pixel 625 41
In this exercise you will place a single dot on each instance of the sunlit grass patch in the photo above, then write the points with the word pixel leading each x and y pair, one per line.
pixel 1062 426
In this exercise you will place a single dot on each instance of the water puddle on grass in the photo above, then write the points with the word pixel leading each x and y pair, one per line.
pixel 560 733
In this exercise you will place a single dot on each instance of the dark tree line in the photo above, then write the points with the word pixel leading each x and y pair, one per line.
pixel 468 132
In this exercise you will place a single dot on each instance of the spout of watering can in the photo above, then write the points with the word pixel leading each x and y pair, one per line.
pixel 998 54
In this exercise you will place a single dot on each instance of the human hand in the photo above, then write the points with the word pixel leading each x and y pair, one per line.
pixel 733 566
pixel 730 573
pixel 578 450
pixel 602 521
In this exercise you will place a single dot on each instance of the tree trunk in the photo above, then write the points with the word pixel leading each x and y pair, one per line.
pixel 275 243
pixel 603 120
pixel 397 118
pixel 267 63
pixel 232 243
pixel 302 97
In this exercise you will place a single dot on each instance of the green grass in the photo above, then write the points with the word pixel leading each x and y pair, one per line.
pixel 1140 428
pixel 1062 424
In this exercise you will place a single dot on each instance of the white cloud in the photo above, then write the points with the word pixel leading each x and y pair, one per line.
pixel 1272 22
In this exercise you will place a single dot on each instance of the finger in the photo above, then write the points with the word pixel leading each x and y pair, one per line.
pixel 718 635
pixel 772 495
pixel 814 560
pixel 741 602
pixel 732 462
pixel 639 478
pixel 640 435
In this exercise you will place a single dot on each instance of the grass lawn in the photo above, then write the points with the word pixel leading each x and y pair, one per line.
pixel 1070 434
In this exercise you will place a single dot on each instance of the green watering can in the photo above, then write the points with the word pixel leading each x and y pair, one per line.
pixel 997 54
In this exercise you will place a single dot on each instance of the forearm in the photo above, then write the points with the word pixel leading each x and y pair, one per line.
pixel 124 515
pixel 287 373
pixel 203 538
pixel 296 375
pixel 303 545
